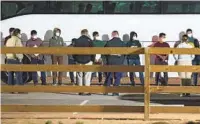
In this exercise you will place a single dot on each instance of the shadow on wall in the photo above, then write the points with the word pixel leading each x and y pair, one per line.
pixel 126 37
pixel 48 35
pixel 105 37
pixel 24 38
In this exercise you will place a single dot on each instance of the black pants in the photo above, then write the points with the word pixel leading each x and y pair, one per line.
pixel 158 78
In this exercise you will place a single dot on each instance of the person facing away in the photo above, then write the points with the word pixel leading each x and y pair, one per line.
pixel 196 60
pixel 134 59
pixel 10 35
pixel 88 8
pixel 71 62
pixel 35 42
pixel 84 78
pixel 14 41
pixel 57 41
pixel 114 59
pixel 98 59
pixel 161 59
pixel 185 59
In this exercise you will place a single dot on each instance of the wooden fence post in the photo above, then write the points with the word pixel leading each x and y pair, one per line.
pixel 147 85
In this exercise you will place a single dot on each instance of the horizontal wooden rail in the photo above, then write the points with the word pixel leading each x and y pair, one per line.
pixel 175 89
pixel 177 68
pixel 72 50
pixel 70 108
pixel 69 68
pixel 72 89
pixel 175 109
pixel 174 51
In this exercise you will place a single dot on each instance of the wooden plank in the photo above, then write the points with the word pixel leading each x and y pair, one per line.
pixel 175 89
pixel 170 109
pixel 147 86
pixel 70 108
pixel 174 50
pixel 71 68
pixel 177 68
pixel 72 89
pixel 72 50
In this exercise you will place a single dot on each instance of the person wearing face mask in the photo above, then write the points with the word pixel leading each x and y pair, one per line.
pixel 98 59
pixel 196 60
pixel 114 59
pixel 161 59
pixel 134 59
pixel 57 41
pixel 34 41
pixel 185 59
pixel 14 41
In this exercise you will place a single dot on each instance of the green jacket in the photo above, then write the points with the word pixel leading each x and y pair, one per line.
pixel 98 43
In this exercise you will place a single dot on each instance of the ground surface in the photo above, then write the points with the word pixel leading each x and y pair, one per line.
pixel 97 99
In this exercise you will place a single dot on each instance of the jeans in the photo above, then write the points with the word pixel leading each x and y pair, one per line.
pixel 141 75
pixel 158 76
pixel 35 75
pixel 18 75
pixel 195 74
pixel 109 78
pixel 100 76
pixel 71 74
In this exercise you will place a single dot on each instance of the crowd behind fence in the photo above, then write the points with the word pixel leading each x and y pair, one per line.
pixel 147 89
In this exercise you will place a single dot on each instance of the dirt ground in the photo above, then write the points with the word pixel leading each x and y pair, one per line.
pixel 97 118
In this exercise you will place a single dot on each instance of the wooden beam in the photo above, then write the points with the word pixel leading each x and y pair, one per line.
pixel 175 89
pixel 70 108
pixel 174 51
pixel 170 109
pixel 147 86
pixel 72 89
pixel 72 50
pixel 71 68
pixel 177 68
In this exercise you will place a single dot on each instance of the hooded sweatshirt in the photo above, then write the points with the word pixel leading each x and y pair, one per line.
pixel 56 41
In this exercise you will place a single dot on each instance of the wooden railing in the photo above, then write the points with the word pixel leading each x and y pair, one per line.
pixel 147 89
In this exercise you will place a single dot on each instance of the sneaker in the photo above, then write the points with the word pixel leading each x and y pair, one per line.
pixel 54 84
pixel 88 94
pixel 105 94
pixel 81 94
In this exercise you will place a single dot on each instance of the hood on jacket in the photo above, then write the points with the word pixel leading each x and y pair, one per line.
pixel 55 30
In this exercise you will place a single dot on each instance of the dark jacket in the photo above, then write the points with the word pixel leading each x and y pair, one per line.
pixel 133 44
pixel 83 41
pixel 196 45
pixel 115 59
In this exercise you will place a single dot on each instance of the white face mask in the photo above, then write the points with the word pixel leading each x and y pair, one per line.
pixel 57 34
pixel 189 35
pixel 134 38
pixel 34 36
pixel 19 35
pixel 97 38
pixel 163 39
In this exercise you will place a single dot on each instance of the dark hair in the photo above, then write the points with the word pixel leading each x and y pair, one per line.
pixel 95 33
pixel 33 32
pixel 84 31
pixel 11 29
pixel 161 35
pixel 16 31
pixel 185 36
pixel 188 30
pixel 115 32
pixel 132 34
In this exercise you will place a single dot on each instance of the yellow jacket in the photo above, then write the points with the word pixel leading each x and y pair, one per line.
pixel 14 41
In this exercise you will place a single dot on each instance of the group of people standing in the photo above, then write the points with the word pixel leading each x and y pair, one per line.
pixel 84 78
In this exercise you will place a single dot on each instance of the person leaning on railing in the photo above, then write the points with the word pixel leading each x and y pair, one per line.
pixel 57 41
pixel 14 41
pixel 185 59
